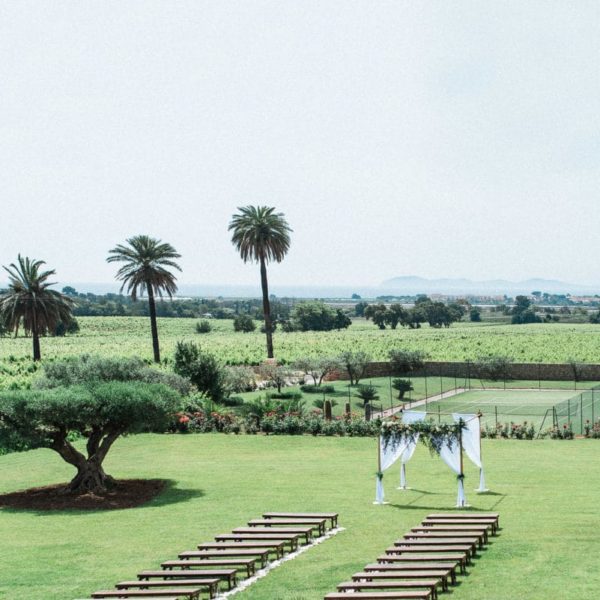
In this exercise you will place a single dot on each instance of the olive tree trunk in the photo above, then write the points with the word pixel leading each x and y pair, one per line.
pixel 90 477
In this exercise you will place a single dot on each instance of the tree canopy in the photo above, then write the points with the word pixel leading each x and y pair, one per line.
pixel 147 269
pixel 30 302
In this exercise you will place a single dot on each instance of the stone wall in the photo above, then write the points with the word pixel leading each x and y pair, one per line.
pixel 533 371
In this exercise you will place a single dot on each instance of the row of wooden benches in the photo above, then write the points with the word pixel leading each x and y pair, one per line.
pixel 425 559
pixel 219 562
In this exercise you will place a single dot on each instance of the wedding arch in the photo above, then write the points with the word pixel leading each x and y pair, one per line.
pixel 398 441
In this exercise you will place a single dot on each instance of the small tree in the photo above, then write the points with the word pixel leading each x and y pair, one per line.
pixel 317 368
pixel 577 369
pixel 202 369
pixel 378 313
pixel 101 413
pixel 402 386
pixel 356 364
pixel 367 393
pixel 495 368
pixel 276 374
pixel 244 323
pixel 475 315
pixel 405 362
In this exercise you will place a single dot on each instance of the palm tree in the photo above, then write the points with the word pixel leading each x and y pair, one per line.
pixel 28 300
pixel 146 270
pixel 261 235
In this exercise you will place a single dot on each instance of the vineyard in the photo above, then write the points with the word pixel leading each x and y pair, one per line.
pixel 551 343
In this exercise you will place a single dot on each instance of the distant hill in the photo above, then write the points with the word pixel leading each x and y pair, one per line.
pixel 418 285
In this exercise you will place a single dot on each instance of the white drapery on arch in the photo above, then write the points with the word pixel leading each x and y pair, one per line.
pixel 471 441
pixel 387 457
pixel 409 416
pixel 450 454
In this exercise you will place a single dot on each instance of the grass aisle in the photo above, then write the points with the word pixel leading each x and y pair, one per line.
pixel 547 493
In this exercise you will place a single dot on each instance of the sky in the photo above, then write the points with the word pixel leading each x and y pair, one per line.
pixel 398 138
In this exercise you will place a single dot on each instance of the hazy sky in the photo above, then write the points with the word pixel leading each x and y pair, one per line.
pixel 435 138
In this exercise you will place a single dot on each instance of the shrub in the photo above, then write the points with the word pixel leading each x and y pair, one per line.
pixel 62 327
pixel 232 401
pixel 244 323
pixel 316 389
pixel 240 379
pixel 559 433
pixel 294 395
pixel 203 326
pixel 202 369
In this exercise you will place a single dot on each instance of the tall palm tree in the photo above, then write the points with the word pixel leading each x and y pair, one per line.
pixel 28 300
pixel 261 235
pixel 147 261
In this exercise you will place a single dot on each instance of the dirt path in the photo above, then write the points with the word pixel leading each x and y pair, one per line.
pixel 410 405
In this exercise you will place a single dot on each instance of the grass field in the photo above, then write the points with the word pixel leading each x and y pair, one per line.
pixel 556 342
pixel 546 492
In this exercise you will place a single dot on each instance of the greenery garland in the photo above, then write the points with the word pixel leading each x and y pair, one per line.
pixel 433 435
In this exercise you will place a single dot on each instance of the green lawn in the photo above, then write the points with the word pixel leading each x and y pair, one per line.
pixel 547 493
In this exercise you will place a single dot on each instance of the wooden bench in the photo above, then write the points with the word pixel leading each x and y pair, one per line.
pixel 306 532
pixel 426 565
pixel 192 594
pixel 409 549
pixel 460 558
pixel 211 584
pixel 467 515
pixel 319 524
pixel 227 575
pixel 397 595
pixel 371 586
pixel 442 546
pixel 479 522
pixel 434 532
pixel 288 538
pixel 332 516
pixel 434 540
pixel 248 563
pixel 441 574
pixel 276 547
pixel 262 555
pixel 473 530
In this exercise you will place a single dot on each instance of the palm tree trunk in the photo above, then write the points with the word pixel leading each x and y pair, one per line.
pixel 153 326
pixel 37 354
pixel 266 307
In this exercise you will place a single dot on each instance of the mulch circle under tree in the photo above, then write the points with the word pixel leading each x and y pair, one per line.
pixel 125 493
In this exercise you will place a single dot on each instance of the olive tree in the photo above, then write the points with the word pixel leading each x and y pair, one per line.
pixel 100 412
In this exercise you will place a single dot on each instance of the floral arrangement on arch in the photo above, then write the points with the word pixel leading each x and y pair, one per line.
pixel 433 435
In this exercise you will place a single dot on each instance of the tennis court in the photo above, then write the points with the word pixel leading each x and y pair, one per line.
pixel 549 407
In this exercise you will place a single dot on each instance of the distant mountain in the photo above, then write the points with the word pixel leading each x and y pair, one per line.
pixel 410 285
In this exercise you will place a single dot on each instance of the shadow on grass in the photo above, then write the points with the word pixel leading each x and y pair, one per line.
pixel 171 494
pixel 472 508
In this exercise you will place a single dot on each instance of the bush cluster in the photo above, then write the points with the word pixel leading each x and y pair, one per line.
pixel 274 423
pixel 512 431
pixel 592 430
